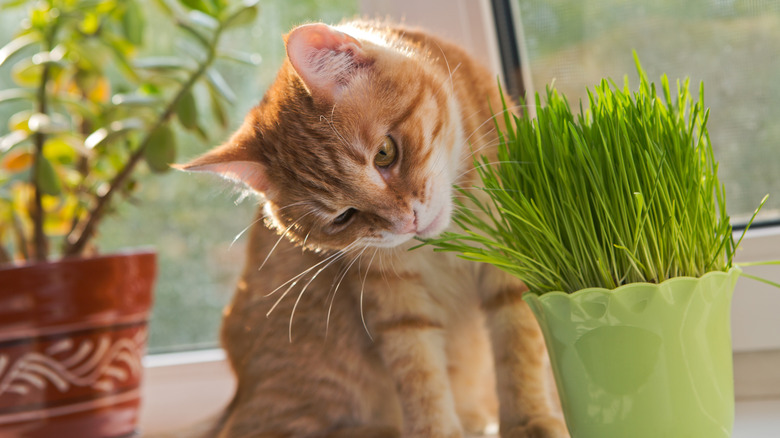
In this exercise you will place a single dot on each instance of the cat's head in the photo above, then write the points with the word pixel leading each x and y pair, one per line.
pixel 358 140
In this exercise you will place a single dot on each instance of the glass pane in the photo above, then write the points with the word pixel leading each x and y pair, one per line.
pixel 732 46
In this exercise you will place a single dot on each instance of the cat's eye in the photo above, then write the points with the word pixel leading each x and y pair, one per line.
pixel 387 152
pixel 344 217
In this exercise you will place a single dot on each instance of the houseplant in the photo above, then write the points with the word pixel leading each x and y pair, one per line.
pixel 72 321
pixel 617 222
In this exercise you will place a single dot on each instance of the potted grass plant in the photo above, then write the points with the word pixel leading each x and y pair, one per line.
pixel 616 221
pixel 91 114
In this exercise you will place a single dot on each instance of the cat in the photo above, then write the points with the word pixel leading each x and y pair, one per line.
pixel 336 329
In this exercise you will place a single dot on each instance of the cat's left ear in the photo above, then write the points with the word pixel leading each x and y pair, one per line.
pixel 237 160
pixel 325 58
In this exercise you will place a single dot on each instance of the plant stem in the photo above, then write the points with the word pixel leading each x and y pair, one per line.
pixel 4 256
pixel 75 247
pixel 40 240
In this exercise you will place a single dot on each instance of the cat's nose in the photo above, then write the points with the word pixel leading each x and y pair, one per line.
pixel 408 224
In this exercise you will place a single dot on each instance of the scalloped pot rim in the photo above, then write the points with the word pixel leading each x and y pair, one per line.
pixel 582 293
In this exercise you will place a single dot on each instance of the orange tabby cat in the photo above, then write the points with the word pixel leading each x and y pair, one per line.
pixel 336 329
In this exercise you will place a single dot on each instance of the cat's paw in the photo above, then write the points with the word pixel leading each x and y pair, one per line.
pixel 476 422
pixel 539 427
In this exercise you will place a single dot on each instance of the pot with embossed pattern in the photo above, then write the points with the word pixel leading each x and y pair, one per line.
pixel 72 336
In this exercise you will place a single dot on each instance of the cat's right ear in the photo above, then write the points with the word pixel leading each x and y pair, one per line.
pixel 326 59
pixel 231 162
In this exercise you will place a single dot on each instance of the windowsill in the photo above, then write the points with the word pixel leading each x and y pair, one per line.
pixel 182 389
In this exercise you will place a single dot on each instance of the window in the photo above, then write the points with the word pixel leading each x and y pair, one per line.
pixel 729 45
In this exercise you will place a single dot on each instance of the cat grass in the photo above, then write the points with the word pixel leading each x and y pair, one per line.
pixel 626 191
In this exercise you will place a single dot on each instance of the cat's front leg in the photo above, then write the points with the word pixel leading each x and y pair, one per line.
pixel 524 389
pixel 409 333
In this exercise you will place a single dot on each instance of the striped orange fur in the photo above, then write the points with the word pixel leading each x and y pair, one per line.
pixel 342 332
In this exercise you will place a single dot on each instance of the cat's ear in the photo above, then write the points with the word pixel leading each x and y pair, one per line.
pixel 232 161
pixel 325 58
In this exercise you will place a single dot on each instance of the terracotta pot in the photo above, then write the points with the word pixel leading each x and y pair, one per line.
pixel 72 336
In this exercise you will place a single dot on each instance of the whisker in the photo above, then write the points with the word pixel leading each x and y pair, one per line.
pixel 447 62
pixel 490 163
pixel 325 260
pixel 341 253
pixel 241 233
pixel 238 236
pixel 490 119
pixel 473 152
pixel 362 290
pixel 281 236
pixel 333 127
pixel 333 298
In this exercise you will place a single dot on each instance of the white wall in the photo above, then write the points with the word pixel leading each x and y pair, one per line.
pixel 462 21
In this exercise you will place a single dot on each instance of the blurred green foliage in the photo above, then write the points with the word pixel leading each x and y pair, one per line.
pixel 94 110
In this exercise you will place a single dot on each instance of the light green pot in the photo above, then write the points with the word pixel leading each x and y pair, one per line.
pixel 643 360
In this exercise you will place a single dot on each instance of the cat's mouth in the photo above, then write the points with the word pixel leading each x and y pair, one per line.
pixel 436 226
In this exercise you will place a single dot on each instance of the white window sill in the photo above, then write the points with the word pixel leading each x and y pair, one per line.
pixel 180 389
pixel 183 389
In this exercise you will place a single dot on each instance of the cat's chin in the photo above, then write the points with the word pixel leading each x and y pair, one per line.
pixel 436 226
pixel 390 240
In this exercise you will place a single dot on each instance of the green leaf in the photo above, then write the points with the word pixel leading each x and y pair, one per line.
pixel 90 23
pixel 133 23
pixel 201 132
pixel 83 107
pixel 244 16
pixel 218 109
pixel 19 120
pixel 163 63
pixel 195 33
pixel 59 150
pixel 160 152
pixel 203 20
pixel 16 45
pixel 135 100
pixel 7 4
pixel 13 94
pixel 47 124
pixel 112 132
pixel 47 180
pixel 166 8
pixel 187 111
pixel 51 57
pixel 13 139
pixel 220 85
pixel 253 59
pixel 40 18
pixel 198 5
pixel 27 73
pixel 71 140
pixel 121 49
